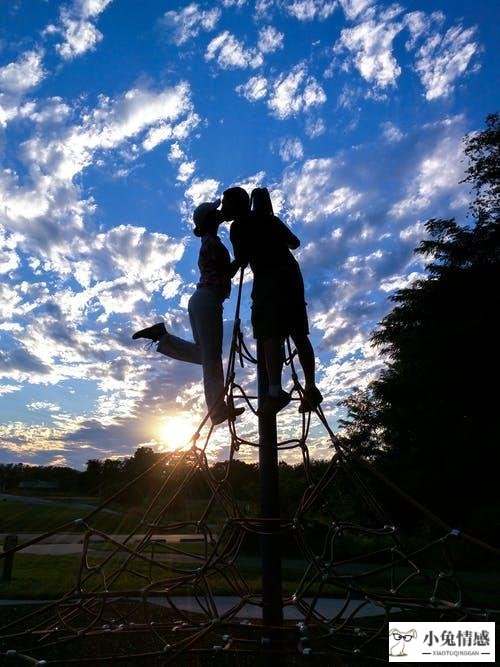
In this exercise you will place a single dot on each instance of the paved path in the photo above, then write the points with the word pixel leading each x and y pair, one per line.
pixel 64 544
pixel 329 607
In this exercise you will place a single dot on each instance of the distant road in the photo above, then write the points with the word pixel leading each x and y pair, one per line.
pixel 30 500
pixel 65 544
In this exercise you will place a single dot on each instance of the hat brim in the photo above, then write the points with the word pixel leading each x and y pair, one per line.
pixel 215 204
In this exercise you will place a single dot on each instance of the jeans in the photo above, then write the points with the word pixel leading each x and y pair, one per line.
pixel 205 316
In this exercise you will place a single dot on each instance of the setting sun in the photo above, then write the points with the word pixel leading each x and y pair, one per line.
pixel 175 431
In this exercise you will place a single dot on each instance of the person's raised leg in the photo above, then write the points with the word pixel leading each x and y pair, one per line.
pixel 170 345
pixel 178 348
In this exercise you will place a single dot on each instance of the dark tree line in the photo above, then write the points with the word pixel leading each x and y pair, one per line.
pixel 104 478
pixel 11 474
pixel 431 418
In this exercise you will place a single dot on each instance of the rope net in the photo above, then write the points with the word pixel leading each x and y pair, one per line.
pixel 347 567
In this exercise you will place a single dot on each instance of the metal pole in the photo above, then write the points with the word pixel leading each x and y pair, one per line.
pixel 272 596
pixel 10 542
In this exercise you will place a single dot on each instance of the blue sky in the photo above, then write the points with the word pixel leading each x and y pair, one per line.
pixel 116 121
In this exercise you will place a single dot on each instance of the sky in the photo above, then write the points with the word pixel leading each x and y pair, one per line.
pixel 117 119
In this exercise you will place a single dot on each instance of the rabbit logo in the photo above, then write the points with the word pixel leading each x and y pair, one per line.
pixel 397 650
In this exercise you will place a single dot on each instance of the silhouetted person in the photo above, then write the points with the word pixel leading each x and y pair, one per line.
pixel 278 303
pixel 205 314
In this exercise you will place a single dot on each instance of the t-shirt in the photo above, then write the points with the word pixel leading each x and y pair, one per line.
pixel 214 263
pixel 264 241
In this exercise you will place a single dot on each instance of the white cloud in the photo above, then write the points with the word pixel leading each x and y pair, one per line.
pixel 439 61
pixel 190 21
pixel 47 207
pixel 252 181
pixel 290 148
pixel 16 79
pixel 27 72
pixel 391 132
pixel 398 282
pixel 370 47
pixel 77 27
pixel 263 7
pixel 202 190
pixel 254 89
pixel 315 127
pixel 175 153
pixel 10 300
pixel 186 170
pixel 437 175
pixel 58 460
pixel 287 95
pixel 43 405
pixel 313 194
pixel 420 24
pixel 9 259
pixel 230 53
pixel 9 388
pixel 51 111
pixel 442 59
pixel 353 8
pixel 110 124
pixel 270 39
pixel 308 10
pixel 294 92
pixel 133 253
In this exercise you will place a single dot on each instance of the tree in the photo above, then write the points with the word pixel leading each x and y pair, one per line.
pixel 434 406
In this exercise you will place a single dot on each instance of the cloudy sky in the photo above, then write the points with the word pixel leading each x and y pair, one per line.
pixel 116 121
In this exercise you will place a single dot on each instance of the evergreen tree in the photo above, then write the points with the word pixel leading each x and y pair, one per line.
pixel 433 409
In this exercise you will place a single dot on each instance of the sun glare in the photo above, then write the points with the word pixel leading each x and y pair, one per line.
pixel 175 432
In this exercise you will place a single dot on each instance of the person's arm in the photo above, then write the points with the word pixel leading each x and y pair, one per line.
pixel 234 267
pixel 239 251
pixel 222 260
pixel 292 241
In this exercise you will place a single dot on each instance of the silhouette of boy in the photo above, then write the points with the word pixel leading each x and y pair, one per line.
pixel 278 304
pixel 205 314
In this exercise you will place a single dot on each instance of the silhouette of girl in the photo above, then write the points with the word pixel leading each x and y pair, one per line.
pixel 205 314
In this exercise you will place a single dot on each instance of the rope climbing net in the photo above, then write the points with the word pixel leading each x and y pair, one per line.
pixel 348 569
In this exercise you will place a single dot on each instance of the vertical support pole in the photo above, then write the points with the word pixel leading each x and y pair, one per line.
pixel 10 542
pixel 272 613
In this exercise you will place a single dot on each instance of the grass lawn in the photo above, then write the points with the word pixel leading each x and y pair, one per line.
pixel 18 517
pixel 46 577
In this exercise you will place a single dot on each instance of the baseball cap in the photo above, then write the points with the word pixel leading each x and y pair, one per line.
pixel 200 215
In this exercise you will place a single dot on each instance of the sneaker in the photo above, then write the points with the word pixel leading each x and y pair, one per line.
pixel 153 333
pixel 227 413
pixel 311 399
pixel 273 404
